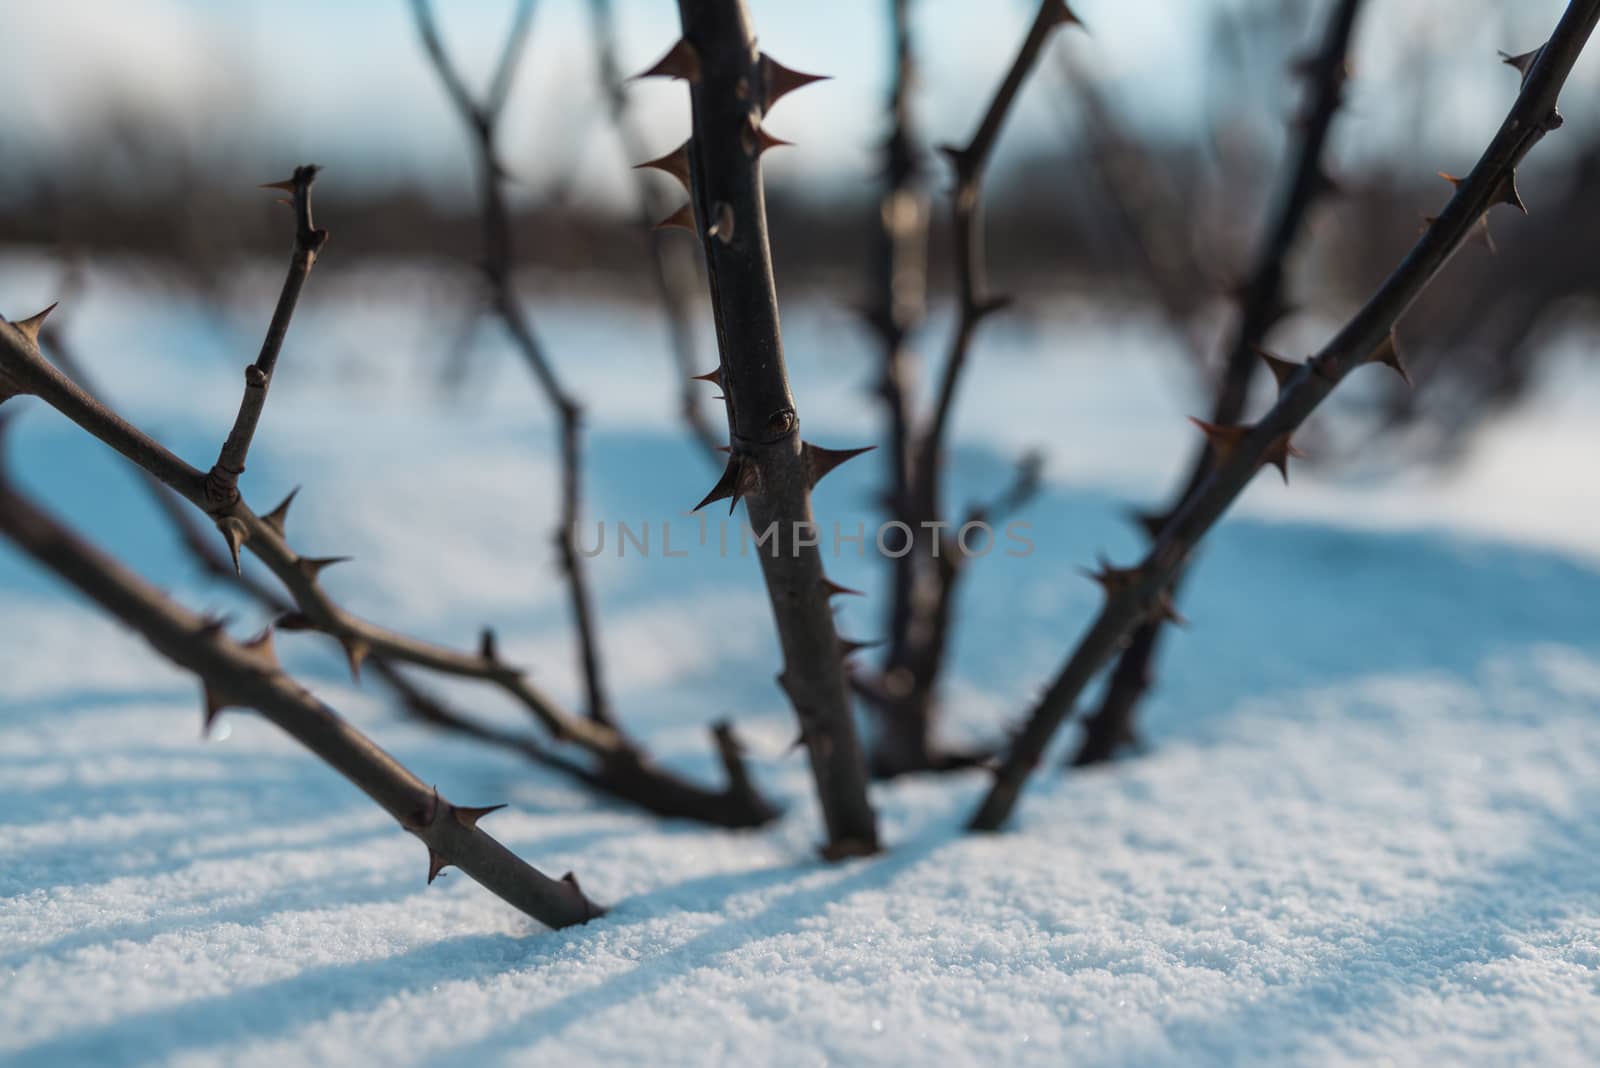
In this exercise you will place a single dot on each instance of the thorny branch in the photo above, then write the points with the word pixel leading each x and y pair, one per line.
pixel 235 674
pixel 732 89
pixel 1263 302
pixel 483 120
pixel 925 580
pixel 222 481
pixel 622 768
pixel 1134 594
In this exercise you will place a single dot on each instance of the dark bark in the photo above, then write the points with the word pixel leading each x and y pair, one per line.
pixel 732 87
pixel 248 675
pixel 925 579
pixel 1135 594
pixel 1111 729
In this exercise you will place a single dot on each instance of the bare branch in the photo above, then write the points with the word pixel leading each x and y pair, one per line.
pixel 505 70
pixel 1366 338
pixel 1263 303
pixel 733 88
pixel 222 481
pixel 970 163
pixel 362 640
pixel 248 675
pixel 921 611
pixel 898 310
pixel 497 269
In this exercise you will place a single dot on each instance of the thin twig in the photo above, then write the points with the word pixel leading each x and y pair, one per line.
pixel 898 309
pixel 222 481
pixel 266 538
pixel 1263 303
pixel 1133 594
pixel 922 588
pixel 482 119
pixel 194 536
pixel 248 675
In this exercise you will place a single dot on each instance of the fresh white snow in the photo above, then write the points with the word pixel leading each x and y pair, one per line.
pixel 1364 831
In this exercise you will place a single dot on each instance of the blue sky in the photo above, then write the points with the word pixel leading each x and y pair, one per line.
pixel 345 83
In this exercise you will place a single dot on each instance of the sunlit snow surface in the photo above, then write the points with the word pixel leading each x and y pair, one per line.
pixel 1365 828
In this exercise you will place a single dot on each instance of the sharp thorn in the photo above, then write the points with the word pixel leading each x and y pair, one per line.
pixel 728 486
pixel 682 219
pixel 714 376
pixel 355 653
pixel 213 707
pixel 1113 580
pixel 1523 63
pixel 1222 439
pixel 235 533
pixel 313 566
pixel 1282 370
pixel 779 81
pixel 1505 192
pixel 278 517
pixel 32 324
pixel 1149 522
pixel 675 163
pixel 261 646
pixel 436 866
pixel 835 590
pixel 1388 354
pixel 819 461
pixel 764 141
pixel 488 648
pixel 681 61
pixel 469 817
pixel 1278 454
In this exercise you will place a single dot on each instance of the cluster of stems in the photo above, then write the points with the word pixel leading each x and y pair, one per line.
pixel 733 87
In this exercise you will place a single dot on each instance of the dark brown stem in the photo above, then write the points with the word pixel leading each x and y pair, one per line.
pixel 222 481
pixel 482 120
pixel 975 301
pixel 362 640
pixel 671 263
pixel 199 540
pixel 238 675
pixel 1138 592
pixel 1263 303
pixel 625 772
pixel 921 612
pixel 900 302
pixel 733 86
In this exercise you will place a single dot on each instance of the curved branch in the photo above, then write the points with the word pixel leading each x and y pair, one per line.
pixel 1263 304
pixel 483 119
pixel 248 675
pixel 732 89
pixel 314 609
pixel 1136 593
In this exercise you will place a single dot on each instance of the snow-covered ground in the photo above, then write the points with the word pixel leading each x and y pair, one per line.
pixel 1364 832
